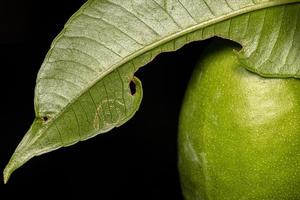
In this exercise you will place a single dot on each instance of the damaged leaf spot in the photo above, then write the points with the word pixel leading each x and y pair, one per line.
pixel 45 119
pixel 132 87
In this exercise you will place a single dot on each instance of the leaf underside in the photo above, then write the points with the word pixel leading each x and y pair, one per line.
pixel 83 88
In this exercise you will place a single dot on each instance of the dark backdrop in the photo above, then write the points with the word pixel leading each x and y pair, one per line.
pixel 135 161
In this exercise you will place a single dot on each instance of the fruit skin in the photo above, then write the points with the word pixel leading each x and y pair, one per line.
pixel 239 133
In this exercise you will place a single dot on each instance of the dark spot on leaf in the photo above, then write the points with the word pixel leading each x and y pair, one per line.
pixel 45 118
pixel 132 87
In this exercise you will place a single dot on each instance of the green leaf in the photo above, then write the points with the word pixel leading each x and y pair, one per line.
pixel 83 87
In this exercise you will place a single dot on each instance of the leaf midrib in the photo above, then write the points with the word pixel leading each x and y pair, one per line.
pixel 164 40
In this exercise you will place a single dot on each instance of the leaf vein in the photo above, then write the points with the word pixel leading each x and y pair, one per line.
pixel 79 51
pixel 132 14
pixel 123 91
pixel 275 40
pixel 76 63
pixel 187 11
pixel 78 124
pixel 166 12
pixel 293 37
pixel 84 110
pixel 96 108
pixel 108 103
pixel 115 27
pixel 96 41
pixel 62 80
pixel 75 76
pixel 228 4
pixel 209 8
pixel 60 134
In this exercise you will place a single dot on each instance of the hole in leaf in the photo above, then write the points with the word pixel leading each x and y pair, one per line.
pixel 45 118
pixel 132 87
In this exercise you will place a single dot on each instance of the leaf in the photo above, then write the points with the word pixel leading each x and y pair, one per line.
pixel 83 87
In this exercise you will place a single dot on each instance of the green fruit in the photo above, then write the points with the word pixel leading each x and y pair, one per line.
pixel 239 133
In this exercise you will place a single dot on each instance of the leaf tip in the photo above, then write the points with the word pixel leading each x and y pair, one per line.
pixel 22 154
pixel 8 170
pixel 15 162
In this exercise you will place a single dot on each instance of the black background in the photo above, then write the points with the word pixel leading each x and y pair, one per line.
pixel 135 161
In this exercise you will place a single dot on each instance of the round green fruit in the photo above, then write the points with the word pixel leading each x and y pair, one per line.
pixel 239 133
